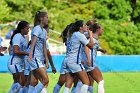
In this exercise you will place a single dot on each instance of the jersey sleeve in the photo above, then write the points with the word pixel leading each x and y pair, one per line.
pixel 81 37
pixel 16 40
pixel 36 31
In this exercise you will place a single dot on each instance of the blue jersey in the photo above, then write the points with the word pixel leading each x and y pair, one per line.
pixel 74 45
pixel 40 33
pixel 93 52
pixel 22 43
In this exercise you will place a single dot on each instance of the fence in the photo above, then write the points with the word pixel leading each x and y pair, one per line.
pixel 105 63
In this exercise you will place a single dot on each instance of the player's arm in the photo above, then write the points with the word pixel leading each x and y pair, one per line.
pixel 16 44
pixel 91 43
pixel 102 50
pixel 51 61
pixel 87 55
pixel 18 52
pixel 34 39
pixel 45 54
pixel 36 33
pixel 82 38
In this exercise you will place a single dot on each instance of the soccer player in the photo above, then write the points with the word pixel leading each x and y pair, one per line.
pixel 72 62
pixel 93 70
pixel 18 46
pixel 38 52
pixel 61 80
pixel 49 58
pixel 84 61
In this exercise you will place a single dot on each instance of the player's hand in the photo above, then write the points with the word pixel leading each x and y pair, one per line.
pixel 30 57
pixel 47 65
pixel 54 70
pixel 2 48
pixel 88 63
pixel 1 54
pixel 82 62
pixel 103 51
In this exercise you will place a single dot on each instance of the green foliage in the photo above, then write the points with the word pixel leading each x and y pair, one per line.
pixel 113 9
pixel 4 10
pixel 119 18
pixel 122 37
pixel 136 9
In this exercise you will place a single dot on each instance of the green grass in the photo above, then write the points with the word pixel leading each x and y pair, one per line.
pixel 114 82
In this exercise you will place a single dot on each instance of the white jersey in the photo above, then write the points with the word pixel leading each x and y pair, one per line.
pixel 73 46
pixel 93 52
pixel 22 43
pixel 40 33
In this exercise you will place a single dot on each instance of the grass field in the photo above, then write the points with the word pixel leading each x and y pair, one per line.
pixel 114 82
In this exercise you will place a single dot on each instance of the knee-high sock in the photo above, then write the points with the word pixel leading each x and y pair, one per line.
pixel 78 87
pixel 84 89
pixel 16 88
pixel 11 89
pixel 66 90
pixel 73 89
pixel 31 89
pixel 25 89
pixel 21 90
pixel 44 90
pixel 101 87
pixel 90 89
pixel 38 88
pixel 56 89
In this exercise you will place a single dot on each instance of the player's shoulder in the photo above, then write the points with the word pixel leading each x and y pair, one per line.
pixel 18 35
pixel 37 28
pixel 78 34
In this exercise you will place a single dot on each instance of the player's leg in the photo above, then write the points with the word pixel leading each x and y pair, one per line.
pixel 97 76
pixel 59 84
pixel 69 81
pixel 43 77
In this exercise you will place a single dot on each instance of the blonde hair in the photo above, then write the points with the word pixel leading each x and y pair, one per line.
pixel 39 17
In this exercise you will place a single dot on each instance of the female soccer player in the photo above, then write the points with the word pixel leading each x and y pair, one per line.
pixel 49 57
pixel 93 70
pixel 61 80
pixel 72 62
pixel 84 61
pixel 38 52
pixel 18 44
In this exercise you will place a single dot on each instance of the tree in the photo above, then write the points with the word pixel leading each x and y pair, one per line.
pixel 4 11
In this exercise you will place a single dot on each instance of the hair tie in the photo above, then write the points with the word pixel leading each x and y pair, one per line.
pixel 37 12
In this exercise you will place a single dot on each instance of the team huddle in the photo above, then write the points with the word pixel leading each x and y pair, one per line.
pixel 29 58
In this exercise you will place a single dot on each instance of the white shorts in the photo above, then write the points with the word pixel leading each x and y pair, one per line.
pixel 36 63
pixel 15 68
pixel 27 68
pixel 62 69
pixel 72 67
pixel 89 68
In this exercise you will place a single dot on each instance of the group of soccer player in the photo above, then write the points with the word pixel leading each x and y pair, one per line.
pixel 29 59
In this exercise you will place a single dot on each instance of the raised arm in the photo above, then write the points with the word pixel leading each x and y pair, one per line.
pixel 90 44
pixel 87 55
